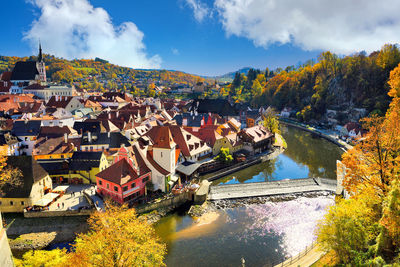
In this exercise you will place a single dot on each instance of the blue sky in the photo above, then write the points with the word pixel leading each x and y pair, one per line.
pixel 207 37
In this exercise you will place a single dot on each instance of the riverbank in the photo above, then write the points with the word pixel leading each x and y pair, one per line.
pixel 38 233
pixel 256 159
pixel 312 130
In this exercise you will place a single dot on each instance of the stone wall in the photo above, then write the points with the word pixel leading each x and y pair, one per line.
pixel 57 213
pixel 172 202
pixel 5 251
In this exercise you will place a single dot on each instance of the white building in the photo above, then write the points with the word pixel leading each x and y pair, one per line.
pixel 46 92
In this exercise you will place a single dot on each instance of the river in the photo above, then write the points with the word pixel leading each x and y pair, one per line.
pixel 259 234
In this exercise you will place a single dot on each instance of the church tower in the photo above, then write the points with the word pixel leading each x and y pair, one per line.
pixel 41 67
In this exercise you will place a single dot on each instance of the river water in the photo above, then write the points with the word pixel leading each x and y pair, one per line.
pixel 259 234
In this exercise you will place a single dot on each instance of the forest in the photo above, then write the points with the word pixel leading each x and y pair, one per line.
pixel 332 82
pixel 364 229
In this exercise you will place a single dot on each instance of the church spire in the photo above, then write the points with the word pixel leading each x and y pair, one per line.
pixel 40 57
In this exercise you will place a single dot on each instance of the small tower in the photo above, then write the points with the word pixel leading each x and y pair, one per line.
pixel 41 67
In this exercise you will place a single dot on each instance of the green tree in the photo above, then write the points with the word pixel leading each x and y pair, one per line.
pixel 270 121
pixel 350 226
pixel 224 155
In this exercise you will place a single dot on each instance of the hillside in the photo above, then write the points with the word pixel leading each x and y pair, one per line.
pixel 228 77
pixel 345 86
pixel 99 74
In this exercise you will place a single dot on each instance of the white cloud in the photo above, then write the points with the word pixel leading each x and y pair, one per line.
pixel 200 9
pixel 175 51
pixel 76 29
pixel 342 26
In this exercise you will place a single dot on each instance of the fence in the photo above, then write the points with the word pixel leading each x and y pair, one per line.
pixel 293 259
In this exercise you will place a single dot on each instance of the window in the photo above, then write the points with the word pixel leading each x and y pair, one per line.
pixel 161 154
pixel 145 179
pixel 22 203
pixel 115 189
pixel 11 203
pixel 125 188
pixel 100 182
pixel 133 185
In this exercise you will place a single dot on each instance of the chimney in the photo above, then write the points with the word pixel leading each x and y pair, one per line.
pixel 117 114
pixel 65 138
pixel 109 116
pixel 184 122
pixel 108 134
pixel 89 137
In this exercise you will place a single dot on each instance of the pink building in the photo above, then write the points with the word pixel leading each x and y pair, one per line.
pixel 122 181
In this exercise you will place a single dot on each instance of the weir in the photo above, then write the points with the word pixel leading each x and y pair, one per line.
pixel 281 187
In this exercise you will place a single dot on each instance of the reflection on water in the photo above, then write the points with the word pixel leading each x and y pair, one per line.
pixel 260 233
pixel 306 156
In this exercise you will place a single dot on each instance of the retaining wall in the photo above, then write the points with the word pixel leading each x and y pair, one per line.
pixel 172 202
pixel 57 213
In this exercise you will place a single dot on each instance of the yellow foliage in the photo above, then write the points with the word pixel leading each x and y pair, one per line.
pixel 118 237
pixel 42 258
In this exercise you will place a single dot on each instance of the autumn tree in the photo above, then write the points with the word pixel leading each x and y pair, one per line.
pixel 42 258
pixel 364 229
pixel 350 226
pixel 376 160
pixel 270 120
pixel 118 237
pixel 9 176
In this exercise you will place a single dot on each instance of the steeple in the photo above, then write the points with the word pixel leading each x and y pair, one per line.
pixel 40 57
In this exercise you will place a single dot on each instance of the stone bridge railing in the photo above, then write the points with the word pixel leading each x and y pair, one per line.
pixel 280 187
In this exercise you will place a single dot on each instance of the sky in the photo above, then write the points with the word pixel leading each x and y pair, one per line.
pixel 205 37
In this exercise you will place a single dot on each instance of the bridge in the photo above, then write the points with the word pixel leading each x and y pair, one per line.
pixel 281 187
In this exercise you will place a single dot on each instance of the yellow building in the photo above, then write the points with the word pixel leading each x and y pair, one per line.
pixel 50 148
pixel 84 166
pixel 36 182
pixel 230 141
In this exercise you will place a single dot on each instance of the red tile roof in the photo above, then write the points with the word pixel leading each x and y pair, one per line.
pixel 53 145
pixel 119 173
pixel 5 86
pixel 162 137
pixel 208 135
pixel 6 76
pixel 35 86
pixel 257 133
pixel 60 102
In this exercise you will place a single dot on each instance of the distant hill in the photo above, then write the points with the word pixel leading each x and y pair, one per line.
pixel 228 77
pixel 99 73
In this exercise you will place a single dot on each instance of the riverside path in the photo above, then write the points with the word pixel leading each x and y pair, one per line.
pixel 281 187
